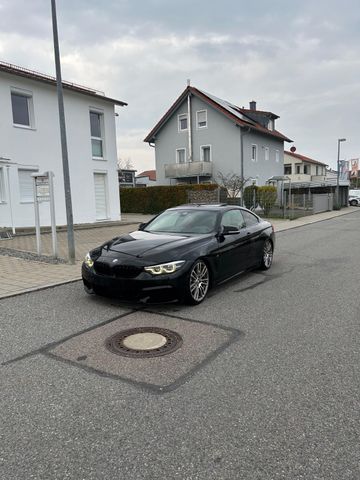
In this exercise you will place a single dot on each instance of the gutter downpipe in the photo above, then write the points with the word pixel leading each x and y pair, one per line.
pixel 242 162
pixel 10 200
pixel 190 156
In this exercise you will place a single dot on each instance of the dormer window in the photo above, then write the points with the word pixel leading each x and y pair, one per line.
pixel 271 124
pixel 182 122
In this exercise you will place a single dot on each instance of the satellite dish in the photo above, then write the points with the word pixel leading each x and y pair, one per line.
pixel 293 149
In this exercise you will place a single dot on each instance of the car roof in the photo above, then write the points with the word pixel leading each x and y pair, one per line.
pixel 203 206
pixel 208 206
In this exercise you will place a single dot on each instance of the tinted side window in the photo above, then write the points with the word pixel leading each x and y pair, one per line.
pixel 233 218
pixel 250 219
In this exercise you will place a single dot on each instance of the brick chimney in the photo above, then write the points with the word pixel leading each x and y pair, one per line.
pixel 252 105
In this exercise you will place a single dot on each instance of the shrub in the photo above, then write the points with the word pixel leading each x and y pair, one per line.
pixel 249 196
pixel 156 199
pixel 267 198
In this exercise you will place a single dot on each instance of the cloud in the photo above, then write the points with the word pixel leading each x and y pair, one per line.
pixel 298 59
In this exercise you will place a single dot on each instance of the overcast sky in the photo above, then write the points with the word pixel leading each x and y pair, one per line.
pixel 298 59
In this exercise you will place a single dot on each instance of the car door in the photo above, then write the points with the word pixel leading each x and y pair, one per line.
pixel 255 237
pixel 232 251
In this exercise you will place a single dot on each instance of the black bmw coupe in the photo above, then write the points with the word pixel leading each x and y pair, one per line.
pixel 180 254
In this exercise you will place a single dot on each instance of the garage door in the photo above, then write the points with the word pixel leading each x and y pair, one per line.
pixel 100 196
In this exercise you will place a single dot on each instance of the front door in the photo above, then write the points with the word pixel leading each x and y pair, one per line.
pixel 100 196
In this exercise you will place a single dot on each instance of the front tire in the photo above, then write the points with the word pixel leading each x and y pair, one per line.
pixel 197 283
pixel 354 203
pixel 267 255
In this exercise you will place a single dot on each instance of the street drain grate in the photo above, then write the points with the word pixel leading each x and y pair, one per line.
pixel 144 342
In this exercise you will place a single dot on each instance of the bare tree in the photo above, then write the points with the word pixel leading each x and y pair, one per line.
pixel 125 164
pixel 232 182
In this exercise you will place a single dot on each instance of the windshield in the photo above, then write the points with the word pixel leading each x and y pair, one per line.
pixel 184 221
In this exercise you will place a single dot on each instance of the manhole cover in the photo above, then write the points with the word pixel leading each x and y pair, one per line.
pixel 144 342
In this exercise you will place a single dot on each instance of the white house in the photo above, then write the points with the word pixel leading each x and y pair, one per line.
pixel 146 178
pixel 30 142
pixel 303 169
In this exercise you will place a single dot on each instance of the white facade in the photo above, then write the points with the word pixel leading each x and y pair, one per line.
pixel 303 169
pixel 27 149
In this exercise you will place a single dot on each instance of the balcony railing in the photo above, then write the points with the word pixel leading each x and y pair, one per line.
pixel 189 169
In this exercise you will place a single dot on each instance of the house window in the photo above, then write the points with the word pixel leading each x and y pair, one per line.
pixel 182 122
pixel 205 153
pixel 306 170
pixel 271 124
pixel 26 185
pixel 287 169
pixel 96 128
pixel 267 153
pixel 277 156
pixel 201 119
pixel 21 103
pixel 2 186
pixel 254 153
pixel 298 169
pixel 181 155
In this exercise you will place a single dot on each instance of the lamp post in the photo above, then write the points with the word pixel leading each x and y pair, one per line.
pixel 64 150
pixel 338 172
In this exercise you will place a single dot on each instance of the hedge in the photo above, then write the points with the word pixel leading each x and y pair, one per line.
pixel 156 199
pixel 267 198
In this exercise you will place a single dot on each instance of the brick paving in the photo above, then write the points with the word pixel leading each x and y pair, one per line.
pixel 19 275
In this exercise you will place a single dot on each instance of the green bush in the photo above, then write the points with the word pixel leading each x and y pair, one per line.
pixel 267 198
pixel 249 196
pixel 156 199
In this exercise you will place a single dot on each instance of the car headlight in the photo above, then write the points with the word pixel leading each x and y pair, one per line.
pixel 165 268
pixel 88 260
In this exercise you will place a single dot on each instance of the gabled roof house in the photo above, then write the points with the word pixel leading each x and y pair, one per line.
pixel 201 135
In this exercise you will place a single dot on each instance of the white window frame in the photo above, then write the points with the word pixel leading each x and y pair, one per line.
pixel 271 124
pixel 256 152
pixel 307 168
pixel 177 157
pixel 31 171
pixel 2 185
pixel 198 127
pixel 277 156
pixel 30 103
pixel 298 167
pixel 267 154
pixel 181 116
pixel 202 153
pixel 102 131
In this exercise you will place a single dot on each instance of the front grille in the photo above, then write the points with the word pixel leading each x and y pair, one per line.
pixel 102 268
pixel 118 271
pixel 126 271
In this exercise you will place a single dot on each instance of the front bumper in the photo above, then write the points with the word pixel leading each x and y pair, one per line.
pixel 145 287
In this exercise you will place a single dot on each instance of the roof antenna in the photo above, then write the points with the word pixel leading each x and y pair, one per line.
pixel 188 82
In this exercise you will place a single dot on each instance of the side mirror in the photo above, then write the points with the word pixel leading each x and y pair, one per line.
pixel 142 226
pixel 228 230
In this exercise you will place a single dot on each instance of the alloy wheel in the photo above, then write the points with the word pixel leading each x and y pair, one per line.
pixel 199 281
pixel 267 254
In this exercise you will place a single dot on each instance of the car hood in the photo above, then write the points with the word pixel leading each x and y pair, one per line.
pixel 142 244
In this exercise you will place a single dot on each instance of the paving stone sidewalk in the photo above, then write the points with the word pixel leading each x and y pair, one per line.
pixel 20 272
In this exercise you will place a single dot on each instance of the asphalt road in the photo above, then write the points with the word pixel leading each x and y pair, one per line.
pixel 279 400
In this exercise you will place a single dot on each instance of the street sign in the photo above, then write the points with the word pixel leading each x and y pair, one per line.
pixel 44 192
pixel 42 187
